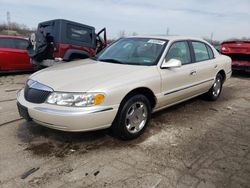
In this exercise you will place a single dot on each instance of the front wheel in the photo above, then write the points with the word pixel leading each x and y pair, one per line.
pixel 215 91
pixel 132 118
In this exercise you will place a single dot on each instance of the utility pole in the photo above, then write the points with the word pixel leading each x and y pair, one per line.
pixel 8 21
pixel 211 37
pixel 167 33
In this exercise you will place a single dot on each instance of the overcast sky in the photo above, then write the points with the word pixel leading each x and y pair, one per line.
pixel 199 18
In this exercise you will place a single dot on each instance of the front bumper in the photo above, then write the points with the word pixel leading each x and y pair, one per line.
pixel 73 119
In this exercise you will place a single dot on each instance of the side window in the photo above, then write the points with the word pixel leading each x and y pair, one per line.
pixel 200 51
pixel 180 51
pixel 20 44
pixel 210 52
pixel 75 32
pixel 6 43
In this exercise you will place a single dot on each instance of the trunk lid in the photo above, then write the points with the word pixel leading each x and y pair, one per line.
pixel 235 47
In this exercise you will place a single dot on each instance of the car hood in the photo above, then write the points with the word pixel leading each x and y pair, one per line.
pixel 82 75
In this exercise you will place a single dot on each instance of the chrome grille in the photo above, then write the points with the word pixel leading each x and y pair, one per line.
pixel 35 92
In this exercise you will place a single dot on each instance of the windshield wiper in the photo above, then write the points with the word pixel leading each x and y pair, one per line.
pixel 138 64
pixel 111 61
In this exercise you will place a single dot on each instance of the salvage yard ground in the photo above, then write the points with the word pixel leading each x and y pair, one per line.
pixel 194 144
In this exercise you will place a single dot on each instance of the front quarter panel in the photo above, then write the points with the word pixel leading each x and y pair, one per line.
pixel 117 89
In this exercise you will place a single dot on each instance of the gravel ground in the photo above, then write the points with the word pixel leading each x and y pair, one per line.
pixel 194 144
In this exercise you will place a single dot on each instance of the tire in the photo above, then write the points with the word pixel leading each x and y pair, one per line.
pixel 132 118
pixel 215 91
pixel 41 47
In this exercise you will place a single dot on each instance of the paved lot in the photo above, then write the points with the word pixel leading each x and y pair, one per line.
pixel 194 144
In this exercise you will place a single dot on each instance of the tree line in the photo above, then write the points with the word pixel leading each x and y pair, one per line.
pixel 17 29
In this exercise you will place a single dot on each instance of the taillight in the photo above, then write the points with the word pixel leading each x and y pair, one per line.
pixel 224 49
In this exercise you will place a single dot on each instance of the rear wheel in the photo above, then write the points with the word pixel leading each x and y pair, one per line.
pixel 215 91
pixel 132 118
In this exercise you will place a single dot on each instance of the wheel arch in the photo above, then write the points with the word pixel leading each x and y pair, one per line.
pixel 144 91
pixel 69 53
pixel 223 74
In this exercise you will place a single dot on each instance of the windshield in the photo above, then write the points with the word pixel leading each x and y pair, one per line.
pixel 134 51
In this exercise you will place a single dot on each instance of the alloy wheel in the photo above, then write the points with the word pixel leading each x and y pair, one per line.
pixel 136 117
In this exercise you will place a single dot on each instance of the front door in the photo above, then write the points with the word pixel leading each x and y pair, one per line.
pixel 177 83
pixel 13 54
pixel 21 60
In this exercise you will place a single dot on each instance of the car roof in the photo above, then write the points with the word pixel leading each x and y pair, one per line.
pixel 67 21
pixel 170 37
pixel 12 37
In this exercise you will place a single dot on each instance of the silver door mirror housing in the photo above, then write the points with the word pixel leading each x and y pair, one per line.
pixel 172 63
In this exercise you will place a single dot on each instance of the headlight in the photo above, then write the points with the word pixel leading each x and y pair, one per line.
pixel 75 99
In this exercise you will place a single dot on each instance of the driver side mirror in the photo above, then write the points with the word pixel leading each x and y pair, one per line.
pixel 172 63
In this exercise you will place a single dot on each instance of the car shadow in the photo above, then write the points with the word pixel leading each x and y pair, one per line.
pixel 241 74
pixel 14 73
pixel 43 141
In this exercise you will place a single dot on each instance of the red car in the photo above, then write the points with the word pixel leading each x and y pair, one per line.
pixel 239 51
pixel 13 54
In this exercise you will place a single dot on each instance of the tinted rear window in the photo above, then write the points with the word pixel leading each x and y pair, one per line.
pixel 75 32
pixel 20 44
pixel 6 43
pixel 13 43
pixel 46 28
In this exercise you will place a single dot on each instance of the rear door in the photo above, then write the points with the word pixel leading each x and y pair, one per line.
pixel 204 65
pixel 13 54
pixel 80 40
pixel 6 54
pixel 20 54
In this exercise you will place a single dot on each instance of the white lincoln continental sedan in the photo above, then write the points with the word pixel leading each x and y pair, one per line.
pixel 124 84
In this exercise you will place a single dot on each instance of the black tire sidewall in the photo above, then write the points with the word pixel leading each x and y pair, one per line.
pixel 119 126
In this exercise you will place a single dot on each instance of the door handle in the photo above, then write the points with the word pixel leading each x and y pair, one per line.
pixel 193 72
